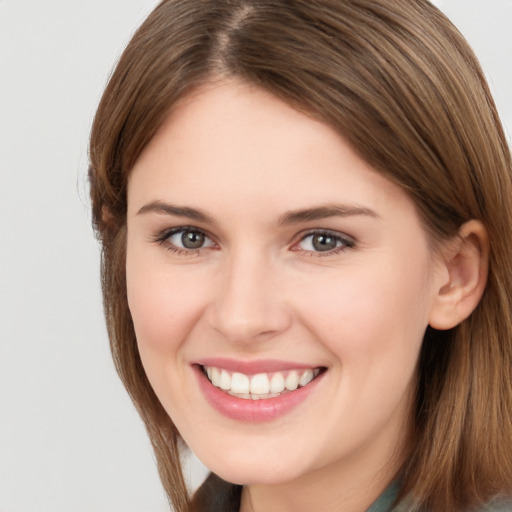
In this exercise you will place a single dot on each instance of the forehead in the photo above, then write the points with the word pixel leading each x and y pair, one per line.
pixel 239 144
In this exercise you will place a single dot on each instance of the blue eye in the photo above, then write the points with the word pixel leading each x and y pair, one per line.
pixel 188 239
pixel 324 241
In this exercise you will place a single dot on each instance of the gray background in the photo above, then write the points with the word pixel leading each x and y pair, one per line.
pixel 70 440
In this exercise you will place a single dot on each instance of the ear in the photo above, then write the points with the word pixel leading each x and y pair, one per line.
pixel 461 282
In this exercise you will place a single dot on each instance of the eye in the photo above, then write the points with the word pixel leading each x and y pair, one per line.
pixel 187 239
pixel 324 242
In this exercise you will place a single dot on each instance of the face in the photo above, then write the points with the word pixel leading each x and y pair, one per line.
pixel 279 287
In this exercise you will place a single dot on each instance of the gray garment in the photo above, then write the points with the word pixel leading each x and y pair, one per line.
pixel 385 502
pixel 216 495
pixel 386 499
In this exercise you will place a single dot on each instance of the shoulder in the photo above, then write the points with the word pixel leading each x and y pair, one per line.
pixel 496 505
pixel 499 504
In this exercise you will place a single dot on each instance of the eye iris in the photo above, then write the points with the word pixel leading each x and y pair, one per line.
pixel 324 242
pixel 192 239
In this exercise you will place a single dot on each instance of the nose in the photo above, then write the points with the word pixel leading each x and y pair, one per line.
pixel 249 300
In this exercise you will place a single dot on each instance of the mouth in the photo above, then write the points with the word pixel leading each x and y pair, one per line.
pixel 260 386
pixel 257 391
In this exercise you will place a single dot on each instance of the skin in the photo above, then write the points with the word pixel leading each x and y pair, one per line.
pixel 258 290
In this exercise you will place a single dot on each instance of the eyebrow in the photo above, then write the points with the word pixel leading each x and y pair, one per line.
pixel 324 212
pixel 288 218
pixel 178 211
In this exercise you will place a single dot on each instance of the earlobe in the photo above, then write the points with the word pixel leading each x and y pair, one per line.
pixel 106 214
pixel 464 277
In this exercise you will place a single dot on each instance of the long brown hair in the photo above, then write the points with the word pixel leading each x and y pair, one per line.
pixel 400 83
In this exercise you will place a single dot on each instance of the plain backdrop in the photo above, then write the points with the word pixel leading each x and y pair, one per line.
pixel 70 439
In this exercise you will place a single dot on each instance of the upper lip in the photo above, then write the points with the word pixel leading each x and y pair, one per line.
pixel 253 367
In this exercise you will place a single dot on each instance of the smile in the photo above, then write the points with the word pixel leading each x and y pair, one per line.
pixel 256 391
pixel 262 385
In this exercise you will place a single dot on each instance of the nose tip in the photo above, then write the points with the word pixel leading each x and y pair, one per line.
pixel 249 305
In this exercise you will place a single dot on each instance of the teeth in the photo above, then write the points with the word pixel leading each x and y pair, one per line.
pixel 239 383
pixel 292 381
pixel 261 385
pixel 214 376
pixel 277 383
pixel 225 380
pixel 306 377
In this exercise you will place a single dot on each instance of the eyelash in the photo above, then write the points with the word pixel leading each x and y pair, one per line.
pixel 345 242
pixel 163 237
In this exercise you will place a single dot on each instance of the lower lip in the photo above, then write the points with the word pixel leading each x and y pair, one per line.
pixel 254 411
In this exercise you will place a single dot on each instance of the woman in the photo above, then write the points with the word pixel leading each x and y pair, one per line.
pixel 305 209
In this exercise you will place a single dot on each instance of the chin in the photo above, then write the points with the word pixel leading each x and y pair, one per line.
pixel 251 472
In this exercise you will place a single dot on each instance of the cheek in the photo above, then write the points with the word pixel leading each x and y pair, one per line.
pixel 373 315
pixel 164 304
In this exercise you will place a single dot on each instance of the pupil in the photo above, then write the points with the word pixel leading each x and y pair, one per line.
pixel 324 243
pixel 192 239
